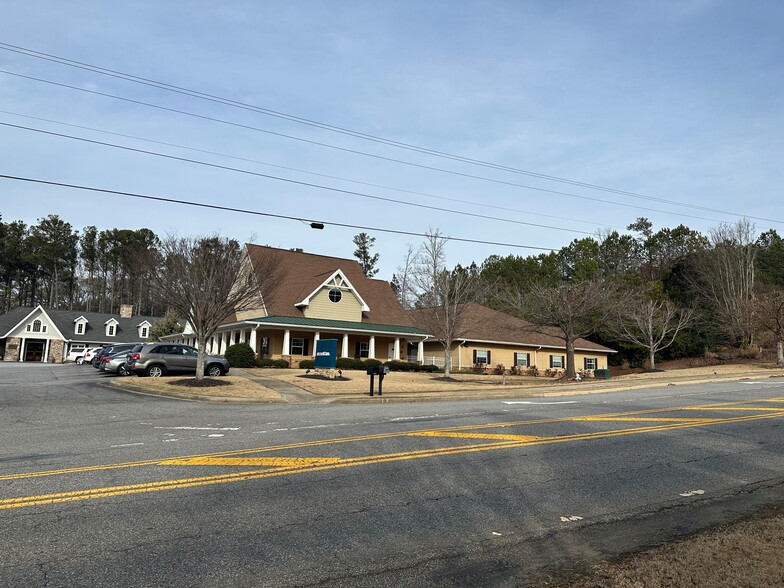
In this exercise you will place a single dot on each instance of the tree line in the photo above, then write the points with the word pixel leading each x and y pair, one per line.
pixel 52 264
pixel 668 293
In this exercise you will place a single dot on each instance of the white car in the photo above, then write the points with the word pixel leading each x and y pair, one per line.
pixel 81 354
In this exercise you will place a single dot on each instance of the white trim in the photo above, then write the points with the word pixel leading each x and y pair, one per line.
pixel 306 301
pixel 327 329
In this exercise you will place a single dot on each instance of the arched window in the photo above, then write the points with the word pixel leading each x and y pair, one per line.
pixel 36 326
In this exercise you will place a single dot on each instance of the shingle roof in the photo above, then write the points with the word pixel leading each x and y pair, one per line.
pixel 480 323
pixel 287 277
pixel 95 332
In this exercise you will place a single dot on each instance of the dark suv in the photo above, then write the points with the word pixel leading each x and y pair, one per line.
pixel 159 359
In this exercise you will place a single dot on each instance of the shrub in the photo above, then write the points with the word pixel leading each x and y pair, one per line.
pixel 240 356
pixel 275 363
pixel 516 370
pixel 479 368
pixel 344 363
pixel 499 370
pixel 426 368
pixel 399 366
pixel 307 364
pixel 533 371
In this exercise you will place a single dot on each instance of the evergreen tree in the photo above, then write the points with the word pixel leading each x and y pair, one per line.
pixel 364 242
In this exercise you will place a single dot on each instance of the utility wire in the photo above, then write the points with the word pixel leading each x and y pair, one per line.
pixel 337 129
pixel 393 160
pixel 556 192
pixel 258 213
pixel 298 170
pixel 292 181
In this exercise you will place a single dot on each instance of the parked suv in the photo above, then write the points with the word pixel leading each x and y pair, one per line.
pixel 159 359
pixel 111 350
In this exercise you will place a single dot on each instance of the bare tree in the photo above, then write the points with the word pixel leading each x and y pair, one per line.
pixel 442 295
pixel 204 280
pixel 401 281
pixel 569 311
pixel 652 324
pixel 726 278
pixel 769 316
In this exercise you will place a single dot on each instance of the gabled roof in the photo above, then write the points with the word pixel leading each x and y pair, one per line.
pixel 27 315
pixel 63 321
pixel 485 325
pixel 286 278
pixel 335 274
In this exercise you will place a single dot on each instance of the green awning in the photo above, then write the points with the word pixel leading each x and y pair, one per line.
pixel 333 325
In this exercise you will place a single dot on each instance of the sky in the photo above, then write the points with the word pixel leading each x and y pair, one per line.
pixel 543 121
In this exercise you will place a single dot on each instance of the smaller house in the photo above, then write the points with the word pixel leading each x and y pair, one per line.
pixel 50 335
pixel 489 337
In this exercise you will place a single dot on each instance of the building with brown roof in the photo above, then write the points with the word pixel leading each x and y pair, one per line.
pixel 489 337
pixel 304 297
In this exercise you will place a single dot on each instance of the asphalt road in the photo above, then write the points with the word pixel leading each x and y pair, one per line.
pixel 105 488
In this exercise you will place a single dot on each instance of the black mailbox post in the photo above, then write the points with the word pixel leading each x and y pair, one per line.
pixel 380 371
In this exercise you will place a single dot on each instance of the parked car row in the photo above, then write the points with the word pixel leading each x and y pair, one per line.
pixel 152 359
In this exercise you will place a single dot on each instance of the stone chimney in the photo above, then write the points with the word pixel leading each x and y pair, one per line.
pixel 126 310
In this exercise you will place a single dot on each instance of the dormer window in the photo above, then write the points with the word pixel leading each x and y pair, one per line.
pixel 144 329
pixel 335 295
pixel 111 327
pixel 80 326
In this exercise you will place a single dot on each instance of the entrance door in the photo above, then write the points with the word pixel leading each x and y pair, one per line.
pixel 391 352
pixel 34 350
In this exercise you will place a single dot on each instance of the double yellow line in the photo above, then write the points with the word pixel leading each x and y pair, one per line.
pixel 281 466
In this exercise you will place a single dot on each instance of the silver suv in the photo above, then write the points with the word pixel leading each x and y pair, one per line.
pixel 159 359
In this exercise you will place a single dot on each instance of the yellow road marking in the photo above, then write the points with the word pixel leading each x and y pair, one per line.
pixel 757 408
pixel 455 435
pixel 94 493
pixel 642 419
pixel 284 462
pixel 308 444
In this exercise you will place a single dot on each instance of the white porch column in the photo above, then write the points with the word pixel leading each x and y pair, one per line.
pixel 396 352
pixel 286 342
pixel 22 349
pixel 372 347
pixel 253 340
pixel 421 351
pixel 242 336
pixel 46 352
pixel 316 338
pixel 344 349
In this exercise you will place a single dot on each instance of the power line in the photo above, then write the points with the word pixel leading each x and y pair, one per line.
pixel 342 130
pixel 556 192
pixel 259 213
pixel 298 170
pixel 404 162
pixel 297 182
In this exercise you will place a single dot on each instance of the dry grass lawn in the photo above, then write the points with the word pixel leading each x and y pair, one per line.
pixel 235 387
pixel 356 382
pixel 748 553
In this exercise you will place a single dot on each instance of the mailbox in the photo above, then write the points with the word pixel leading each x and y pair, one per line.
pixel 380 371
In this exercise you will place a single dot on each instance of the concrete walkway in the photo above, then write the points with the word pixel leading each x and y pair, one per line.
pixel 291 394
